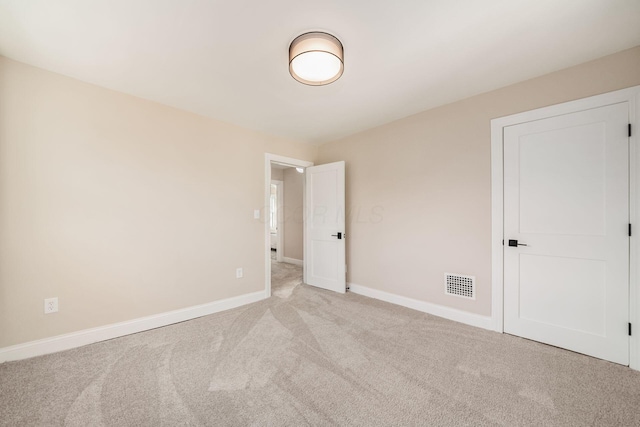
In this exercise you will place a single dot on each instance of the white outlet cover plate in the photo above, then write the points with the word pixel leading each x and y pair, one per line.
pixel 50 305
pixel 239 273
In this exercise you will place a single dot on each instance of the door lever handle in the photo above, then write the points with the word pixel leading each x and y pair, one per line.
pixel 339 235
pixel 515 243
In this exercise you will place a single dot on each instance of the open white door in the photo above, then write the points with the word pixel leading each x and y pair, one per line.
pixel 324 259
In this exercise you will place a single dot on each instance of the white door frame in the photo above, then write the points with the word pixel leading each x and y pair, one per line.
pixel 268 158
pixel 630 95
pixel 280 218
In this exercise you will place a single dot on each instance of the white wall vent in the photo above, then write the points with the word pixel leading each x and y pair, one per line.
pixel 460 286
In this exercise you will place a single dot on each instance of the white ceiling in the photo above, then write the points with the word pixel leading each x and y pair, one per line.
pixel 227 59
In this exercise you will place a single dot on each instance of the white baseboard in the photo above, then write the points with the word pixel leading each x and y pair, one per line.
pixel 292 261
pixel 115 330
pixel 484 322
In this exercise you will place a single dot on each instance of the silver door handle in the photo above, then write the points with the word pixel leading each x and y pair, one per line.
pixel 516 244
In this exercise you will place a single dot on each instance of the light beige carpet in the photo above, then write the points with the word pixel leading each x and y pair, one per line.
pixel 284 278
pixel 318 358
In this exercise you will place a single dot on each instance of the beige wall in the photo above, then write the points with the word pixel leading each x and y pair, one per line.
pixel 419 189
pixel 293 213
pixel 119 206
pixel 276 173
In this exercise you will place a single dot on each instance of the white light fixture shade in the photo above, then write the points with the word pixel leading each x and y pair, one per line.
pixel 316 59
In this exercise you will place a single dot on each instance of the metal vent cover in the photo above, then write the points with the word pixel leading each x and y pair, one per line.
pixel 460 285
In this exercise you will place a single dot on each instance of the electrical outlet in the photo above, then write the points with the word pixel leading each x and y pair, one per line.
pixel 256 214
pixel 239 273
pixel 50 305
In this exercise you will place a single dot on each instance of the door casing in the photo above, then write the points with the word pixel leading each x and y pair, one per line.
pixel 630 95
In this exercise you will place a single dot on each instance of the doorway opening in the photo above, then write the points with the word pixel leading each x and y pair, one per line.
pixel 284 224
pixel 276 214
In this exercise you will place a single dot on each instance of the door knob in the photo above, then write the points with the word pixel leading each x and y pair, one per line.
pixel 339 235
pixel 516 244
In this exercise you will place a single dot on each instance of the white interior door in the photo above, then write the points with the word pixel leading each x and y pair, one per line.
pixel 324 256
pixel 566 206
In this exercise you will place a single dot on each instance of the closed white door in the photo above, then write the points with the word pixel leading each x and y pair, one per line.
pixel 566 231
pixel 325 227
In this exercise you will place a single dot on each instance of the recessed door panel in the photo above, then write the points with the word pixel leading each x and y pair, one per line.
pixel 572 297
pixel 552 175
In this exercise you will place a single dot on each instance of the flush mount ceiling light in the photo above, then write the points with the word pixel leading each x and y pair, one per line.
pixel 316 58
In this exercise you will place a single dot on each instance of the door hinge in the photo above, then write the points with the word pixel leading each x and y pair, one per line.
pixel 629 129
pixel 629 329
pixel 629 230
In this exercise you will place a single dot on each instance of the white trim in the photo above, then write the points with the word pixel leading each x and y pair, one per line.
pixel 630 95
pixel 497 227
pixel 484 322
pixel 292 261
pixel 115 330
pixel 634 218
pixel 268 158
